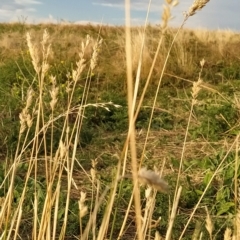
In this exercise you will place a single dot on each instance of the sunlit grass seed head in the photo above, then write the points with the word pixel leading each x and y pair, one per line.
pixel 197 85
pixel 209 224
pixel 196 6
pixel 63 149
pixel 53 92
pixel 228 234
pixel 82 207
pixel 33 53
pixel 166 16
pixel 196 88
pixel 24 116
pixel 96 50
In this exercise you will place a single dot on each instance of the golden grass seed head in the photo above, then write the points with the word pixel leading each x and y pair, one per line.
pixel 33 53
pixel 45 67
pixel 81 65
pixel 63 149
pixel 22 122
pixel 93 174
pixel 74 75
pixel 30 93
pixel 165 16
pixel 93 169
pixel 196 6
pixel 82 197
pixel 54 94
pixel 209 224
pixel 45 37
pixel 94 163
pixel 24 116
pixel 46 47
pixel 196 88
pixel 29 120
pixel 96 50
pixel 84 45
pixel 53 103
pixel 228 234
pixel 83 209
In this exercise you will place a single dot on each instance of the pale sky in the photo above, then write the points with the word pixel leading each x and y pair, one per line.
pixel 217 14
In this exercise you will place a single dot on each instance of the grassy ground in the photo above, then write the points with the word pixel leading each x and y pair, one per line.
pixel 71 136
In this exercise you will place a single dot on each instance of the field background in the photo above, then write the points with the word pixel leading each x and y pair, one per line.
pixel 203 134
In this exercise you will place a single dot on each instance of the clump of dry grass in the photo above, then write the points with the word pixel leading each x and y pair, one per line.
pixel 61 159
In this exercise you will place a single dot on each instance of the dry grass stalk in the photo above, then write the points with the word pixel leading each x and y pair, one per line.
pixel 173 214
pixel 131 139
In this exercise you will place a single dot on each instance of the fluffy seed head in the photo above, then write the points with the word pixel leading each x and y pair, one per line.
pixel 153 179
